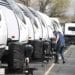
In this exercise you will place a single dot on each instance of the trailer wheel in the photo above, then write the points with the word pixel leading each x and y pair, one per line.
pixel 38 45
pixel 2 50
pixel 16 56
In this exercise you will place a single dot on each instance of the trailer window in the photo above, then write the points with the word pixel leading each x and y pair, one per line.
pixel 20 14
pixel 55 25
pixel 71 28
pixel 37 16
pixel 35 23
pixel 42 23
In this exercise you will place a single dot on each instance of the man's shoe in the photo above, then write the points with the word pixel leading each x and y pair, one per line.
pixel 64 62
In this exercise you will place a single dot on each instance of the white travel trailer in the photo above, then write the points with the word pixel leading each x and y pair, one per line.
pixel 56 24
pixel 43 25
pixel 69 32
pixel 48 23
pixel 34 21
pixel 38 33
pixel 69 29
pixel 40 30
pixel 14 35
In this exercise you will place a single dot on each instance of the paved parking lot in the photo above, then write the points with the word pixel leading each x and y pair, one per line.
pixel 69 67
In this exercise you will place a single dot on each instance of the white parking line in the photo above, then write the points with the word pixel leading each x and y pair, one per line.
pixel 66 51
pixel 50 68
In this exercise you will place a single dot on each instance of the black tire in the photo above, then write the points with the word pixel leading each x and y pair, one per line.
pixel 38 46
pixel 46 47
pixel 16 56
pixel 5 57
pixel 1 52
pixel 28 50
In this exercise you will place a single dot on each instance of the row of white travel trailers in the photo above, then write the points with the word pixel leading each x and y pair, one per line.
pixel 24 33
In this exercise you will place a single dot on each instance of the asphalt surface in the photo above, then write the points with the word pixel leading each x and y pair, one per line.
pixel 69 67
pixel 57 69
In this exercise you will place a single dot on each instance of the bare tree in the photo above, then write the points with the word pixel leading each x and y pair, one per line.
pixel 59 7
pixel 54 7
pixel 43 4
pixel 25 2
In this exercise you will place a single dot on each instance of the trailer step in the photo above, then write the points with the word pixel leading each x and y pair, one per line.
pixel 2 71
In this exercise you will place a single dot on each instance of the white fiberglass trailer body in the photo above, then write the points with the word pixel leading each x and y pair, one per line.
pixel 45 32
pixel 69 32
pixel 44 27
pixel 69 29
pixel 49 25
pixel 34 21
pixel 15 27
pixel 56 24
pixel 3 28
pixel 30 29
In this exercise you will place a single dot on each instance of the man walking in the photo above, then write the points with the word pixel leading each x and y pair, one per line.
pixel 60 43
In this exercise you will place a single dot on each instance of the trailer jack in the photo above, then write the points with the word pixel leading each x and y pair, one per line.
pixel 27 70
